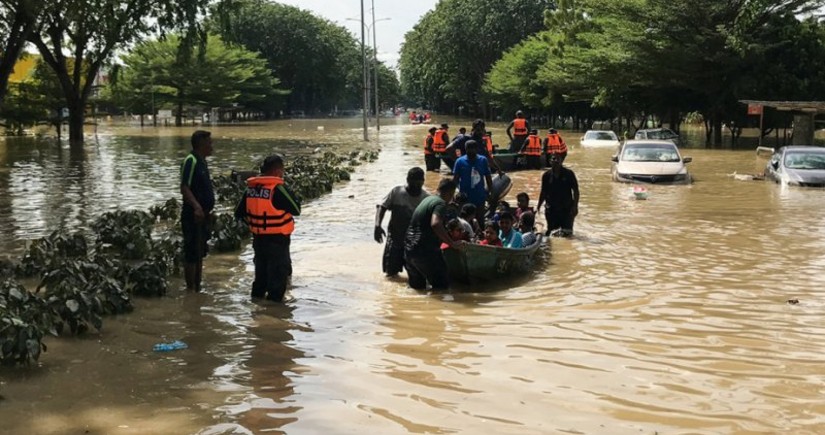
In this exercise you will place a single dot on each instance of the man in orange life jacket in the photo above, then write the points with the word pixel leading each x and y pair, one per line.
pixel 554 144
pixel 532 149
pixel 440 141
pixel 520 130
pixel 268 207
pixel 431 162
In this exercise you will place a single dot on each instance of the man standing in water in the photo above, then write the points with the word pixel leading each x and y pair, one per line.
pixel 560 189
pixel 473 177
pixel 425 235
pixel 198 202
pixel 520 130
pixel 401 202
pixel 268 206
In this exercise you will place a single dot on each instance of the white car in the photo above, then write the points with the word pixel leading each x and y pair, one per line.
pixel 650 161
pixel 600 138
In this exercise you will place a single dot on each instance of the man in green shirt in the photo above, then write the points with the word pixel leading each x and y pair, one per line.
pixel 424 237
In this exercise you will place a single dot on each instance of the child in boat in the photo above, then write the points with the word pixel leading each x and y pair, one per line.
pixel 523 200
pixel 491 234
pixel 468 216
pixel 456 232
pixel 510 237
pixel 503 207
pixel 527 226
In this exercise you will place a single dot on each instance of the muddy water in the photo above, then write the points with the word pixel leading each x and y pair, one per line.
pixel 667 315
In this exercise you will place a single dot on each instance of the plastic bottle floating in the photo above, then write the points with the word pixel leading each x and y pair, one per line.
pixel 640 192
pixel 168 347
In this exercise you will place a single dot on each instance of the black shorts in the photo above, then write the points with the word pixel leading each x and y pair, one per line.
pixel 195 237
pixel 427 268
pixel 559 218
pixel 393 260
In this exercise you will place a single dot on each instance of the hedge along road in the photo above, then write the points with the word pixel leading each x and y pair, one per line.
pixel 664 315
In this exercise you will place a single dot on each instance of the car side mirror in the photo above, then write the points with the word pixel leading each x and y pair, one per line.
pixel 687 159
pixel 615 159
pixel 581 139
pixel 775 164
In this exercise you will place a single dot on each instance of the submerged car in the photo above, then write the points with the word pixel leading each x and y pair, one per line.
pixel 648 161
pixel 798 165
pixel 600 138
pixel 659 134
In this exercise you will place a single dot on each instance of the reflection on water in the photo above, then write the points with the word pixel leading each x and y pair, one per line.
pixel 667 315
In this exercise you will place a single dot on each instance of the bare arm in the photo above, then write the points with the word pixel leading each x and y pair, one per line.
pixel 509 128
pixel 542 194
pixel 379 232
pixel 438 228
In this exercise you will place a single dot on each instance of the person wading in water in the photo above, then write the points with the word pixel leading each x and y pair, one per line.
pixel 560 190
pixel 268 206
pixel 401 202
pixel 198 202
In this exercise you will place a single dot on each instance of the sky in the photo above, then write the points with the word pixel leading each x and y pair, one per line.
pixel 402 14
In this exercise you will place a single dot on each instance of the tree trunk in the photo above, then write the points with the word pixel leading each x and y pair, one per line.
pixel 141 120
pixel 179 115
pixel 77 116
pixel 717 131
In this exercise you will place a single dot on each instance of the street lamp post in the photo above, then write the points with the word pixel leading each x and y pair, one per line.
pixel 374 31
pixel 364 56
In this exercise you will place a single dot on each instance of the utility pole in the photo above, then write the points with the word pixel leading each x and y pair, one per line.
pixel 366 82
pixel 375 67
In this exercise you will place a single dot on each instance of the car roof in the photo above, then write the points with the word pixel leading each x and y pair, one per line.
pixel 650 142
pixel 655 129
pixel 599 131
pixel 803 148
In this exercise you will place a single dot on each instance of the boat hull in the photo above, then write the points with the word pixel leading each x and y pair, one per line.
pixel 476 264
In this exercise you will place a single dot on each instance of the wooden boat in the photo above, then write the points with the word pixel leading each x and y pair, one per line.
pixel 479 263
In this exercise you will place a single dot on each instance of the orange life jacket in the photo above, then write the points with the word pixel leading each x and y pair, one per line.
pixel 264 218
pixel 555 144
pixel 427 151
pixel 533 146
pixel 489 142
pixel 519 127
pixel 440 141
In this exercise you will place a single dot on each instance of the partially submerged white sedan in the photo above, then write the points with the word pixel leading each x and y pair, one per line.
pixel 649 161
pixel 599 138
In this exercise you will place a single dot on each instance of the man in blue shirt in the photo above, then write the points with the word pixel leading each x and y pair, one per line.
pixel 472 174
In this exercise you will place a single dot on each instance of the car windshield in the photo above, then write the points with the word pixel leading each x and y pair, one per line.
pixel 600 135
pixel 663 134
pixel 805 160
pixel 650 153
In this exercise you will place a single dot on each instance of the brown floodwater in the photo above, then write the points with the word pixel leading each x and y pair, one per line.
pixel 661 316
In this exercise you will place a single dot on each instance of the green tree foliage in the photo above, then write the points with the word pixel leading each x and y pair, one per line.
pixel 221 76
pixel 446 56
pixel 34 101
pixel 89 31
pixel 641 58
pixel 318 61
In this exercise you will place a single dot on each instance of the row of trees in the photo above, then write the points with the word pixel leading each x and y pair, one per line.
pixel 262 56
pixel 445 57
pixel 663 59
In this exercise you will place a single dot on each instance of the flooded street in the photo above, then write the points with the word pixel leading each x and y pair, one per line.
pixel 662 316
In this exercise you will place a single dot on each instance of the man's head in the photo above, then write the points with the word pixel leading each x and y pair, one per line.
pixel 523 200
pixel 433 130
pixel 553 131
pixel 519 114
pixel 462 130
pixel 555 161
pixel 506 222
pixel 445 126
pixel 528 221
pixel 534 131
pixel 446 189
pixel 479 127
pixel 415 181
pixel 202 143
pixel 273 166
pixel 489 133
pixel 472 149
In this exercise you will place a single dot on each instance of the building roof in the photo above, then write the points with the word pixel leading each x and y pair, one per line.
pixel 791 106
